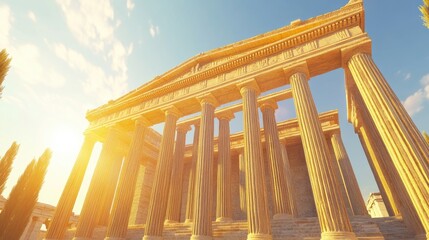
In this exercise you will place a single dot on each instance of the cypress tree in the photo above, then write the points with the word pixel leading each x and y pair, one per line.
pixel 23 202
pixel 424 9
pixel 4 68
pixel 6 165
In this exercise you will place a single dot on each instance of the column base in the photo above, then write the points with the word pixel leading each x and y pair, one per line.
pixel 422 236
pixel 201 237
pixel 282 216
pixel 338 236
pixel 152 237
pixel 258 236
pixel 114 238
pixel 188 221
pixel 223 219
pixel 168 221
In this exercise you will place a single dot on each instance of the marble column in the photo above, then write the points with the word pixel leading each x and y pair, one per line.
pixel 175 195
pixel 202 221
pixel 259 226
pixel 353 192
pixel 106 202
pixel 409 158
pixel 281 202
pixel 242 181
pixel 223 203
pixel 161 184
pixel 331 210
pixel 91 209
pixel 289 181
pixel 118 223
pixel 385 170
pixel 68 197
pixel 192 172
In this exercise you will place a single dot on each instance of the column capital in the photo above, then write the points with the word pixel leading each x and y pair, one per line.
pixel 172 110
pixel 300 67
pixel 208 98
pixel 249 84
pixel 183 128
pixel 270 103
pixel 140 120
pixel 348 52
pixel 228 115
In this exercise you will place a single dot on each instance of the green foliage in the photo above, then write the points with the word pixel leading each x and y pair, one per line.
pixel 4 67
pixel 6 164
pixel 424 9
pixel 22 199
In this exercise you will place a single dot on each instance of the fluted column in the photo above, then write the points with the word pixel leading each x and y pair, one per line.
pixel 106 202
pixel 175 195
pixel 202 221
pixel 281 202
pixel 348 176
pixel 223 206
pixel 331 210
pixel 161 184
pixel 118 224
pixel 68 198
pixel 97 189
pixel 409 158
pixel 385 171
pixel 289 181
pixel 242 181
pixel 191 184
pixel 257 210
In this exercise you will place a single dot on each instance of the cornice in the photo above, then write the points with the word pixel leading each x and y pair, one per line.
pixel 257 47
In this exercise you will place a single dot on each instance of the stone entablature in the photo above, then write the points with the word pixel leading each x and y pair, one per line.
pixel 319 45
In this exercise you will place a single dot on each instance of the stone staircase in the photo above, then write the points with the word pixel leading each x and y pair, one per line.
pixel 393 228
pixel 366 228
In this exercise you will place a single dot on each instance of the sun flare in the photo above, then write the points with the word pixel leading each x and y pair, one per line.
pixel 64 140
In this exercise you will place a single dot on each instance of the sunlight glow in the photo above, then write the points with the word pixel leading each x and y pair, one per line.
pixel 64 141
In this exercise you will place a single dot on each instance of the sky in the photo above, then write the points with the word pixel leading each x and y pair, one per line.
pixel 72 56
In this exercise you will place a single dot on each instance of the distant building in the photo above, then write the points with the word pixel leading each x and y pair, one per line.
pixel 375 206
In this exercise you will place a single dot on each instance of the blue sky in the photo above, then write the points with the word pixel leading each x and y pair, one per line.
pixel 71 56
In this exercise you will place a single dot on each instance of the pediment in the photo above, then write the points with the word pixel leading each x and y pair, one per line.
pixel 213 62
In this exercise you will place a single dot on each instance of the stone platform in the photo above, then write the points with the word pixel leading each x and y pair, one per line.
pixel 389 228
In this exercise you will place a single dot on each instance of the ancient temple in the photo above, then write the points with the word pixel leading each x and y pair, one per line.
pixel 287 180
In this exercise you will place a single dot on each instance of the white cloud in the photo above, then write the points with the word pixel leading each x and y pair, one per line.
pixel 97 83
pixel 407 76
pixel 5 25
pixel 90 22
pixel 32 16
pixel 414 103
pixel 153 30
pixel 27 64
pixel 130 5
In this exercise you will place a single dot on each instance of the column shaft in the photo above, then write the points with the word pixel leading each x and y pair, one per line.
pixel 331 210
pixel 257 211
pixel 353 192
pixel 242 182
pixel 202 220
pixel 175 195
pixel 191 184
pixel 158 201
pixel 118 224
pixel 110 190
pixel 280 191
pixel 381 161
pixel 92 208
pixel 68 197
pixel 223 206
pixel 289 181
pixel 409 158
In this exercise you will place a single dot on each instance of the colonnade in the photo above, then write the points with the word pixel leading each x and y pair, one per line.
pixel 396 151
